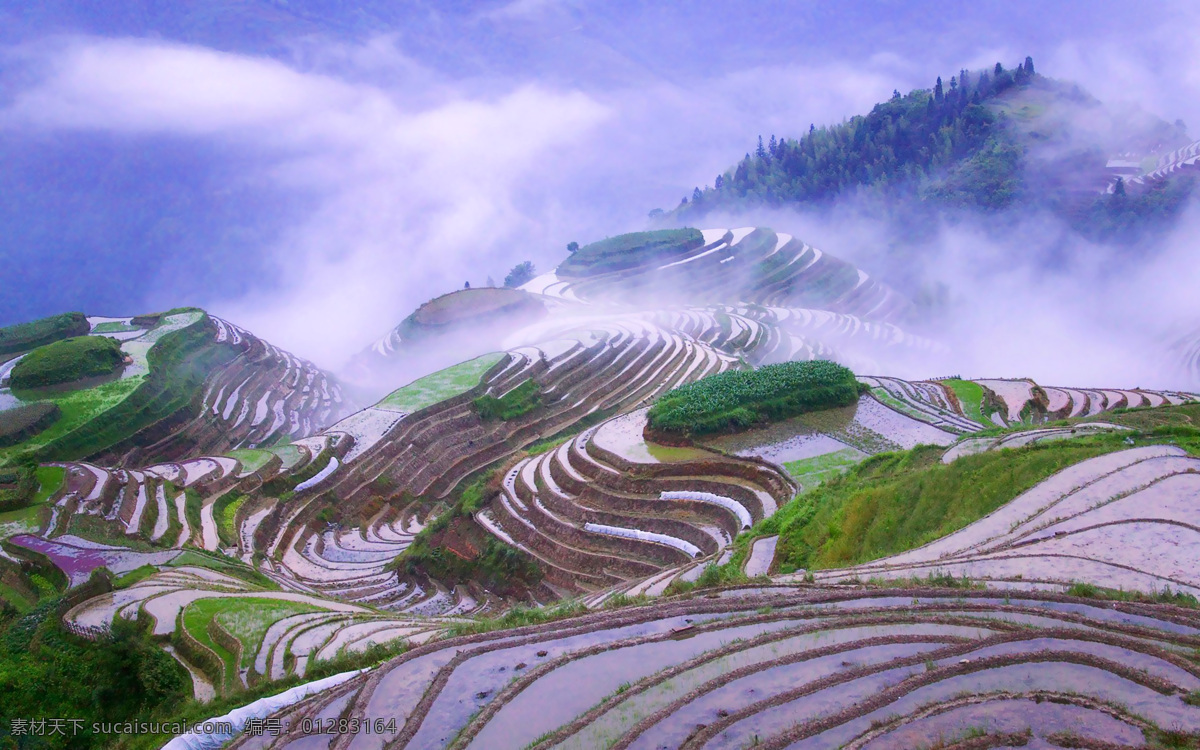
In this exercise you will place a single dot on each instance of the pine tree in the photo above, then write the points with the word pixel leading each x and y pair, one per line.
pixel 938 94
pixel 773 146
pixel 999 70
pixel 572 247
pixel 719 182
pixel 760 152
pixel 1029 66
pixel 1119 188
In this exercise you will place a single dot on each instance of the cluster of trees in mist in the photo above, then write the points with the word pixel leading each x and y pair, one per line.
pixel 900 140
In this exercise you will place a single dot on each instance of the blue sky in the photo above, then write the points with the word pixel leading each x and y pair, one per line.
pixel 315 170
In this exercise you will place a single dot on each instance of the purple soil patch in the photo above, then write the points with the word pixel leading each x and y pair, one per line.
pixel 78 562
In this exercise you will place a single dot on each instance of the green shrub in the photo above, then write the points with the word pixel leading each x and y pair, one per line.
pixel 738 399
pixel 24 336
pixel 67 361
pixel 25 421
pixel 517 402
pixel 630 250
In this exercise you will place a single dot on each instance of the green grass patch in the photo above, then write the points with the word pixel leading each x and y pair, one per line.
pixel 225 565
pixel 440 385
pixel 49 478
pixel 519 401
pixel 252 459
pixel 897 501
pixel 35 333
pixel 738 399
pixel 970 398
pixel 1165 596
pixel 247 619
pixel 224 512
pixel 195 620
pixel 809 472
pixel 114 326
pixel 67 361
pixel 134 576
pixel 630 250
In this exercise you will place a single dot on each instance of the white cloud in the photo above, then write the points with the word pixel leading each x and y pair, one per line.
pixel 412 197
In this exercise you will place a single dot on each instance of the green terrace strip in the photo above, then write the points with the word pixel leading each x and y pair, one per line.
pixel 970 398
pixel 35 333
pixel 67 361
pixel 440 385
pixel 893 502
pixel 737 399
pixel 78 408
pixel 517 402
pixel 630 250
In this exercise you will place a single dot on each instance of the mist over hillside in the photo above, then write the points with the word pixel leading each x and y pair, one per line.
pixel 296 167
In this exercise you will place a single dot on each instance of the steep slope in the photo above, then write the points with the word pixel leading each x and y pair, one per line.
pixel 990 139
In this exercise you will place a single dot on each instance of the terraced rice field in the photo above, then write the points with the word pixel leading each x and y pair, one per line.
pixel 784 667
pixel 1119 521
pixel 276 524
pixel 237 633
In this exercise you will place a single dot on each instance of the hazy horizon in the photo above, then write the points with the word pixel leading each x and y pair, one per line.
pixel 314 174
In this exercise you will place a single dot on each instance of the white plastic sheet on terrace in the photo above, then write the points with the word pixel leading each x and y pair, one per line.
pixel 708 497
pixel 645 536
pixel 259 709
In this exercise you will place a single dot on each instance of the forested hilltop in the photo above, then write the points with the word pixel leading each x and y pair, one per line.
pixel 985 140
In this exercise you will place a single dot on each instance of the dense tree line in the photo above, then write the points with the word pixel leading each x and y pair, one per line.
pixel 946 129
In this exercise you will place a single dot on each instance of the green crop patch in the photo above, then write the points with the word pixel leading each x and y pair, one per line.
pixel 738 399
pixel 970 398
pixel 440 385
pixel 630 250
pixel 25 336
pixel 67 361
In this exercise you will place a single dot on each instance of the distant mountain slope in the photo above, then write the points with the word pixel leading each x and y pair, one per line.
pixel 989 140
pixel 189 382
